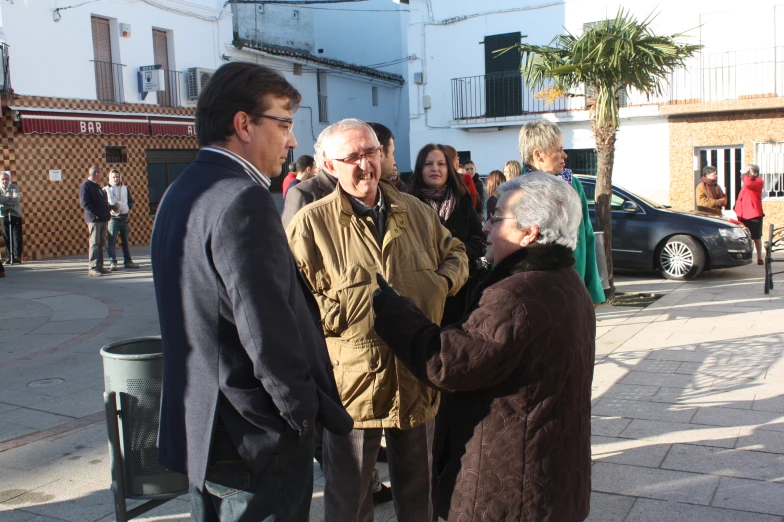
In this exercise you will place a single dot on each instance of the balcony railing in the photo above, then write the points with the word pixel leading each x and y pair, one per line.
pixel 109 82
pixel 171 96
pixel 715 77
pixel 322 109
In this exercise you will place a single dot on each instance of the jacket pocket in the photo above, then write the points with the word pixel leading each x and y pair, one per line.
pixel 355 366
pixel 353 293
pixel 428 285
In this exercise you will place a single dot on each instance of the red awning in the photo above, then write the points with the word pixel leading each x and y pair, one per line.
pixel 38 122
pixel 173 127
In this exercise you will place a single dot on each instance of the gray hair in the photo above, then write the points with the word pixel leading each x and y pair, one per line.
pixel 754 168
pixel 93 171
pixel 708 169
pixel 537 134
pixel 325 140
pixel 549 203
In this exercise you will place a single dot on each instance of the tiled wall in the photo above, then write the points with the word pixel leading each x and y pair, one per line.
pixel 718 129
pixel 53 218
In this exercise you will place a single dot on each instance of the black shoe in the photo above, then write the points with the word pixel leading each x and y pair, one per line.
pixel 382 454
pixel 382 496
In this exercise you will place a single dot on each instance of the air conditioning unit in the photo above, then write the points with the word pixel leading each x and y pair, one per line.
pixel 197 80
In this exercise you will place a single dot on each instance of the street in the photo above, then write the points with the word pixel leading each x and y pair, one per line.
pixel 688 410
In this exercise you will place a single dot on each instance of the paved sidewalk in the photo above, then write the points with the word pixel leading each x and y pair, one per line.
pixel 688 397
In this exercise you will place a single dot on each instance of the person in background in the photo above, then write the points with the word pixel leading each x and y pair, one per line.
pixel 481 195
pixel 541 148
pixel 394 178
pixel 340 242
pixel 11 217
pixel 305 166
pixel 119 197
pixel 494 180
pixel 308 191
pixel 710 198
pixel 289 179
pixel 96 215
pixel 436 183
pixel 517 369
pixel 748 206
pixel 464 178
pixel 512 169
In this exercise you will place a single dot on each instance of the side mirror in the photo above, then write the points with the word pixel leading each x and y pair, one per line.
pixel 629 206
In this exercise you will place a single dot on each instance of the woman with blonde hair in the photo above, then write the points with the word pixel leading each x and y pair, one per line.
pixel 541 148
pixel 494 180
pixel 512 169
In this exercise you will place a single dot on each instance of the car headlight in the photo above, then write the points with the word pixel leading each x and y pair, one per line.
pixel 733 233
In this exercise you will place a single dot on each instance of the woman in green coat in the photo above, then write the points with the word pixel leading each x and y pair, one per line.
pixel 541 147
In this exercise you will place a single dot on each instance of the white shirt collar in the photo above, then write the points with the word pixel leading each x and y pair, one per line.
pixel 250 169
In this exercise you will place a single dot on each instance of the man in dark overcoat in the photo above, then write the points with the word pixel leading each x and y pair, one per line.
pixel 246 369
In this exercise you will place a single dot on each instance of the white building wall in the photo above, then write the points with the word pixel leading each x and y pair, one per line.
pixel 276 25
pixel 370 33
pixel 446 37
pixel 53 59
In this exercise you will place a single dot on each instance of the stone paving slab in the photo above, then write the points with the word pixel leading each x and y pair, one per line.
pixel 644 410
pixel 647 510
pixel 627 451
pixel 725 462
pixel 718 416
pixel 751 495
pixel 609 508
pixel 674 432
pixel 635 481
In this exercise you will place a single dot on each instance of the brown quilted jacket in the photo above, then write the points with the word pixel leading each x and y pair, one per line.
pixel 513 433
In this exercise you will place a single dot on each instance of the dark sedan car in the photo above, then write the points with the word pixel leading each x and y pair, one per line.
pixel 680 244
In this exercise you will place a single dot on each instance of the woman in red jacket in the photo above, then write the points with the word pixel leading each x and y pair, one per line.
pixel 748 206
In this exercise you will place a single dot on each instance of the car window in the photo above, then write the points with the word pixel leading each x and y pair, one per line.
pixel 590 195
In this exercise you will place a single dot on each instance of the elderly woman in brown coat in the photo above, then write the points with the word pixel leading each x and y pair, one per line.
pixel 516 369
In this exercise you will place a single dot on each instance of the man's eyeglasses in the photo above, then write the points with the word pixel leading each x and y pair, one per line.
pixel 288 121
pixel 494 220
pixel 354 159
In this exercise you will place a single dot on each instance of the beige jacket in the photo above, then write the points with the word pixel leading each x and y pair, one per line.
pixel 339 256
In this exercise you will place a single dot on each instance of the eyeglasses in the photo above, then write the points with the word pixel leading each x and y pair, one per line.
pixel 494 220
pixel 355 159
pixel 288 121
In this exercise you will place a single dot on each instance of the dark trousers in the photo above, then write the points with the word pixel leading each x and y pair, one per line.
pixel 349 465
pixel 119 226
pixel 281 492
pixel 12 237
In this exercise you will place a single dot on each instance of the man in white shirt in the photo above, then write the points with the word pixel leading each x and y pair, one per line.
pixel 119 197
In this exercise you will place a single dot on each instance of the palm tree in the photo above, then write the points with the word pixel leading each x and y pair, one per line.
pixel 610 57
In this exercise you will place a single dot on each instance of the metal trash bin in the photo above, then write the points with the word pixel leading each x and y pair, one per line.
pixel 601 260
pixel 133 375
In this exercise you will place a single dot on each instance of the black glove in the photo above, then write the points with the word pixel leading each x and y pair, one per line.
pixel 383 294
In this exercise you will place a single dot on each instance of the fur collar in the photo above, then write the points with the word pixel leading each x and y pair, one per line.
pixel 540 257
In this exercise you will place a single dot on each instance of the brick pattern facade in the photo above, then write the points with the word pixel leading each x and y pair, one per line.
pixel 53 218
pixel 720 129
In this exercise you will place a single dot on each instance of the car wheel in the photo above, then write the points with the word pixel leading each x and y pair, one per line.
pixel 681 258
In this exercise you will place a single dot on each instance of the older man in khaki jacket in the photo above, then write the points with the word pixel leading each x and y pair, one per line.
pixel 340 242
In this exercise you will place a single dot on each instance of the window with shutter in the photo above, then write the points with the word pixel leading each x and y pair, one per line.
pixel 503 82
pixel 102 52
